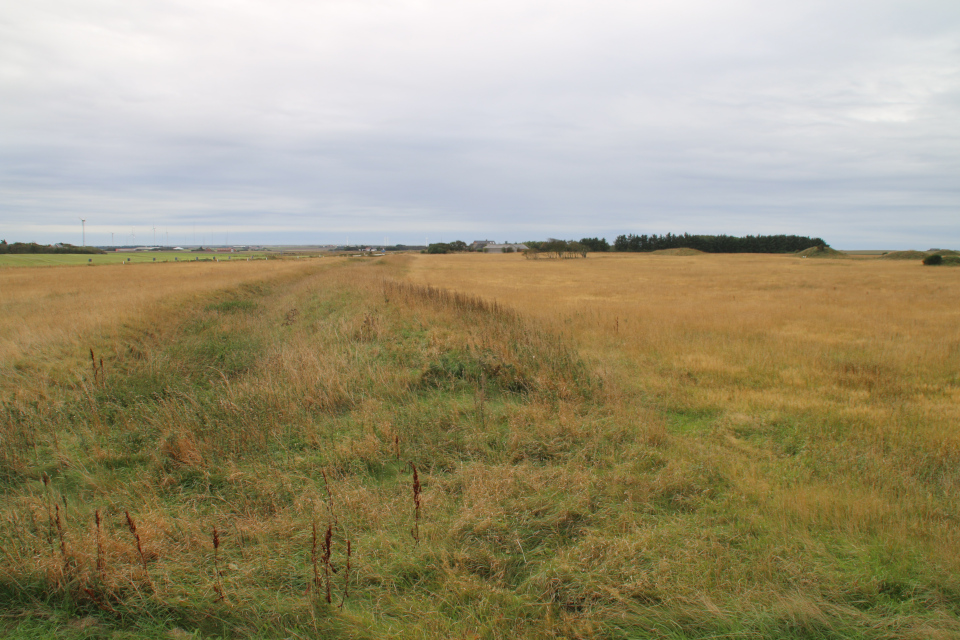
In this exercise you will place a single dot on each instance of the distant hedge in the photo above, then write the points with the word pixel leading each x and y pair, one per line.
pixel 940 259
pixel 717 244
pixel 554 248
pixel 456 246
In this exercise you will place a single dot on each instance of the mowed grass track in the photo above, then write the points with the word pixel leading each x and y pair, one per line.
pixel 579 477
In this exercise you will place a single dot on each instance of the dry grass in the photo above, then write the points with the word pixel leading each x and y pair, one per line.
pixel 777 332
pixel 54 311
pixel 832 387
pixel 736 453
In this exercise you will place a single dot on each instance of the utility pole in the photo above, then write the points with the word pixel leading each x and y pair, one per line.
pixel 83 224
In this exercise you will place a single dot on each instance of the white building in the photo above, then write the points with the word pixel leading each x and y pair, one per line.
pixel 504 248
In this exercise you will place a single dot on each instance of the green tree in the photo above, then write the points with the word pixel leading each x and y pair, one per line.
pixel 578 247
pixel 596 244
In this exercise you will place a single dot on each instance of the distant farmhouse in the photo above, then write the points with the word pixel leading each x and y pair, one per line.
pixel 491 246
pixel 504 248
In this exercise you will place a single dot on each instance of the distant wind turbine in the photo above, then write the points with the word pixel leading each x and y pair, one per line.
pixel 83 226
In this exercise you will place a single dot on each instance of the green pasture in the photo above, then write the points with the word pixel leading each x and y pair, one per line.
pixel 53 259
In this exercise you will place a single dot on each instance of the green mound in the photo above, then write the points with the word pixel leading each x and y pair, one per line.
pixel 682 251
pixel 821 252
pixel 904 255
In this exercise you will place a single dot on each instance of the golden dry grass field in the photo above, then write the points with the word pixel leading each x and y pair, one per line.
pixel 742 333
pixel 832 387
pixel 47 310
pixel 627 446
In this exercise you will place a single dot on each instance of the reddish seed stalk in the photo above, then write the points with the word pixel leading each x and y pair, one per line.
pixel 326 485
pixel 313 561
pixel 97 601
pixel 327 542
pixel 101 563
pixel 136 536
pixel 218 587
pixel 415 532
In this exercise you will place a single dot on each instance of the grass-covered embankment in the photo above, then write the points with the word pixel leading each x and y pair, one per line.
pixel 275 409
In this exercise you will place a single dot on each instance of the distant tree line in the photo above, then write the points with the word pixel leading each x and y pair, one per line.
pixel 718 244
pixel 448 247
pixel 592 244
pixel 553 248
pixel 33 247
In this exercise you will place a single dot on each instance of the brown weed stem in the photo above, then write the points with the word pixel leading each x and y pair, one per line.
pixel 415 532
pixel 327 543
pixel 136 536
pixel 218 586
pixel 101 563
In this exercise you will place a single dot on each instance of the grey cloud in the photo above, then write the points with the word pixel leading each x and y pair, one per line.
pixel 521 119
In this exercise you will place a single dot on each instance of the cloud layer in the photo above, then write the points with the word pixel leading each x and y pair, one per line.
pixel 290 121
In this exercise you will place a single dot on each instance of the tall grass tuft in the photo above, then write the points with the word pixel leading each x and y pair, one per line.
pixel 346 576
pixel 51 526
pixel 98 377
pixel 457 301
pixel 61 536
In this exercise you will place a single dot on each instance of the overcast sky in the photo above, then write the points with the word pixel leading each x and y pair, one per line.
pixel 288 121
